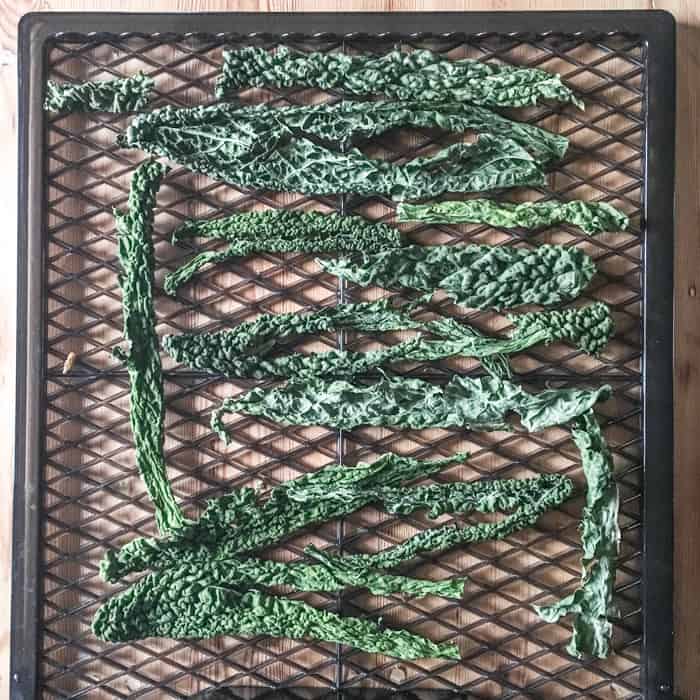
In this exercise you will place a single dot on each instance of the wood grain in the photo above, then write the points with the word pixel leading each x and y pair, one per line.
pixel 687 296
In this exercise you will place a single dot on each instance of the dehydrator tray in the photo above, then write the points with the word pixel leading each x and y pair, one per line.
pixel 77 491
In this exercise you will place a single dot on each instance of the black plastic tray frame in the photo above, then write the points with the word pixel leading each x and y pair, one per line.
pixel 656 29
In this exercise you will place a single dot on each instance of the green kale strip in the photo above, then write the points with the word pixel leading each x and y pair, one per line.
pixel 244 351
pixel 183 603
pixel 121 95
pixel 311 229
pixel 592 603
pixel 247 520
pixel 328 575
pixel 279 149
pixel 476 276
pixel 142 356
pixel 280 231
pixel 477 404
pixel 418 75
pixel 590 217
pixel 529 497
pixel 346 123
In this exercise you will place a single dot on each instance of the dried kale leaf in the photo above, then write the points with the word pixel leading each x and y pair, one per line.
pixel 280 231
pixel 479 404
pixel 121 95
pixel 246 520
pixel 476 276
pixel 590 217
pixel 592 602
pixel 588 328
pixel 142 356
pixel 347 122
pixel 184 603
pixel 256 147
pixel 310 229
pixel 528 498
pixel 418 75
pixel 344 124
pixel 245 350
pixel 326 574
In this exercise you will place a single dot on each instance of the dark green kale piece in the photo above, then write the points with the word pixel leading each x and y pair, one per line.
pixel 120 95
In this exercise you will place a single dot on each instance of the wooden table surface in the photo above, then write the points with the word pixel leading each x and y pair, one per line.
pixel 687 299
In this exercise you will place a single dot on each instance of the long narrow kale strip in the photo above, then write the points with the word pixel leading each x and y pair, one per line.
pixel 244 351
pixel 592 602
pixel 255 147
pixel 263 128
pixel 182 603
pixel 311 229
pixel 142 356
pixel 477 404
pixel 590 217
pixel 280 231
pixel 346 122
pixel 326 574
pixel 418 75
pixel 529 497
pixel 476 276
pixel 246 520
pixel 121 95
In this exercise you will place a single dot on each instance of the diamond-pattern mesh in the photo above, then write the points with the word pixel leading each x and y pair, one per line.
pixel 94 500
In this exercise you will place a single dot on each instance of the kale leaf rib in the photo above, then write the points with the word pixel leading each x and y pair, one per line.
pixel 422 75
pixel 278 149
pixel 473 403
pixel 592 602
pixel 142 356
pixel 244 351
pixel 476 276
pixel 280 231
pixel 120 95
pixel 590 217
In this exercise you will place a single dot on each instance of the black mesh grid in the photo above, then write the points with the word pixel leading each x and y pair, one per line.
pixel 93 498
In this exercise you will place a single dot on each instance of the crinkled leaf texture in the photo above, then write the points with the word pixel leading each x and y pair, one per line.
pixel 181 603
pixel 415 75
pixel 280 231
pixel 142 358
pixel 590 217
pixel 476 403
pixel 592 602
pixel 246 520
pixel 202 583
pixel 241 522
pixel 279 149
pixel 248 349
pixel 476 276
pixel 121 95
